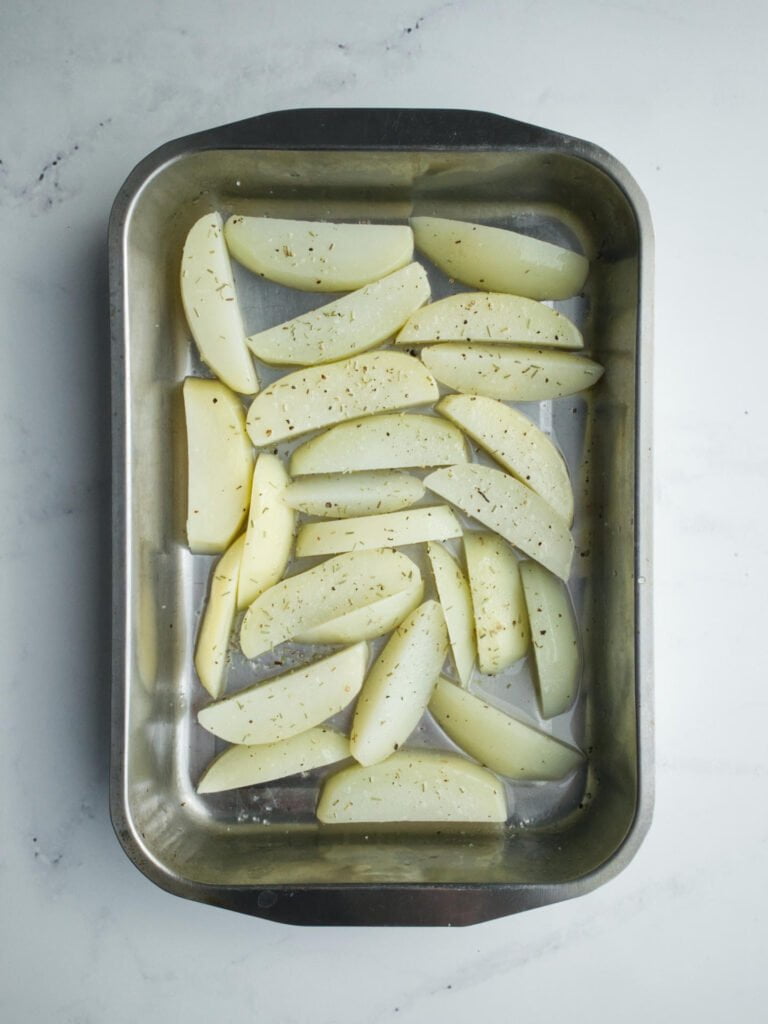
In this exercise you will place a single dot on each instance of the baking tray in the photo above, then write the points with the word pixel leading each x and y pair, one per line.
pixel 260 851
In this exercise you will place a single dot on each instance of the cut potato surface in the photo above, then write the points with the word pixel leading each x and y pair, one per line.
pixel 318 257
pixel 515 443
pixel 220 464
pixel 354 494
pixel 497 259
pixel 501 622
pixel 373 620
pixel 399 684
pixel 516 373
pixel 505 744
pixel 289 704
pixel 323 395
pixel 391 441
pixel 248 765
pixel 555 639
pixel 211 306
pixel 391 530
pixel 413 785
pixel 511 509
pixel 347 326
pixel 269 533
pixel 456 600
pixel 334 588
pixel 216 627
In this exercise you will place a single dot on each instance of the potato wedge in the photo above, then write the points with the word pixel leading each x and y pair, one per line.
pixel 399 684
pixel 500 260
pixel 391 441
pixel 501 620
pixel 515 443
pixel 511 509
pixel 249 765
pixel 269 533
pixel 354 494
pixel 456 601
pixel 504 744
pixel 487 317
pixel 516 373
pixel 211 306
pixel 374 620
pixel 340 585
pixel 555 639
pixel 323 395
pixel 352 324
pixel 413 785
pixel 289 704
pixel 220 465
pixel 218 618
pixel 391 530
pixel 314 256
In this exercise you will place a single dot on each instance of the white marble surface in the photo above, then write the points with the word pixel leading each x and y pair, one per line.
pixel 677 91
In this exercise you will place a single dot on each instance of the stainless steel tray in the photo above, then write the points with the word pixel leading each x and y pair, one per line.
pixel 260 851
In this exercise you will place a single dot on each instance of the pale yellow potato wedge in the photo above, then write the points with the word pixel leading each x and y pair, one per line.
pixel 211 306
pixel 456 600
pixel 487 317
pixel 315 256
pixel 413 785
pixel 323 395
pixel 515 443
pixel 399 684
pixel 555 639
pixel 352 324
pixel 289 704
pixel 501 620
pixel 249 765
pixel 500 260
pixel 337 496
pixel 373 620
pixel 391 441
pixel 334 588
pixel 218 619
pixel 390 530
pixel 269 530
pixel 220 465
pixel 516 373
pixel 509 508
pixel 504 744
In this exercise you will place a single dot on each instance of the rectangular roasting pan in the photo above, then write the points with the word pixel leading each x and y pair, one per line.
pixel 260 850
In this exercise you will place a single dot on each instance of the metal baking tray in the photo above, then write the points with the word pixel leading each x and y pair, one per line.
pixel 260 850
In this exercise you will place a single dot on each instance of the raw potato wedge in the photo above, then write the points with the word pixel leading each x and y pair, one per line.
pixel 355 494
pixel 318 257
pixel 365 623
pixel 269 533
pixel 456 600
pixel 324 395
pixel 555 639
pixel 399 684
pixel 391 441
pixel 511 509
pixel 218 618
pixel 487 317
pixel 289 704
pixel 516 373
pixel 515 443
pixel 220 464
pixel 504 744
pixel 500 260
pixel 413 785
pixel 501 621
pixel 334 588
pixel 211 306
pixel 347 326
pixel 391 530
pixel 248 765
